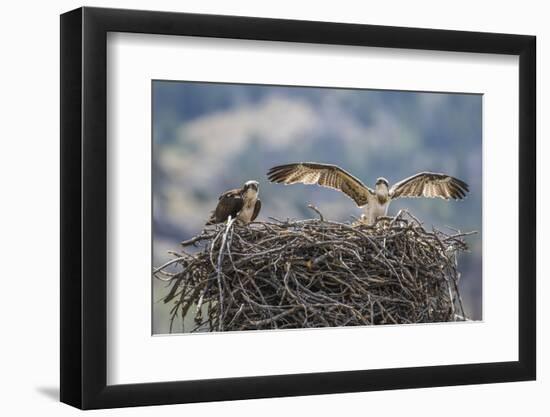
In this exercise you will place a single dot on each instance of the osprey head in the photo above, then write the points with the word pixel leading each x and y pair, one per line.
pixel 251 188
pixel 380 181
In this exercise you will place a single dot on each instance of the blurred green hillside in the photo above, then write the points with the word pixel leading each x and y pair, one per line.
pixel 210 137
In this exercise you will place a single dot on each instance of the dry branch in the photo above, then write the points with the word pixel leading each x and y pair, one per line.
pixel 316 273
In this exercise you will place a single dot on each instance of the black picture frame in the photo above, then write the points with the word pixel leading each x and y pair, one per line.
pixel 84 207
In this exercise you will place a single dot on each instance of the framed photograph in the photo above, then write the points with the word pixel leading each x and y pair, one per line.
pixel 257 208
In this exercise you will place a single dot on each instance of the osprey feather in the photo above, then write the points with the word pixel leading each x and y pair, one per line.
pixel 241 203
pixel 377 201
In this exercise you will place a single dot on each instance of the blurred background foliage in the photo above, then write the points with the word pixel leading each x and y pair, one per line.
pixel 210 137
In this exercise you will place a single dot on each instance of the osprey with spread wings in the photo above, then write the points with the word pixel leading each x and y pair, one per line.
pixel 377 201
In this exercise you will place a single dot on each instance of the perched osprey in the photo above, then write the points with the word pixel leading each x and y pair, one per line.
pixel 377 201
pixel 241 203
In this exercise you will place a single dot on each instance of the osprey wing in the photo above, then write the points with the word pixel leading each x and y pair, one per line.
pixel 257 209
pixel 326 175
pixel 430 184
pixel 229 204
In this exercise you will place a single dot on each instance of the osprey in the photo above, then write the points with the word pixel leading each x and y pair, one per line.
pixel 377 201
pixel 241 203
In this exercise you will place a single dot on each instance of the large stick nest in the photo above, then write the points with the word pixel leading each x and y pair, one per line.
pixel 315 273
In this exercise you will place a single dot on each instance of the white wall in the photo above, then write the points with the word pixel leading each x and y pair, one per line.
pixel 29 214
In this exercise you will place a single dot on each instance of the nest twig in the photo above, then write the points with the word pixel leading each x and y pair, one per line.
pixel 316 273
